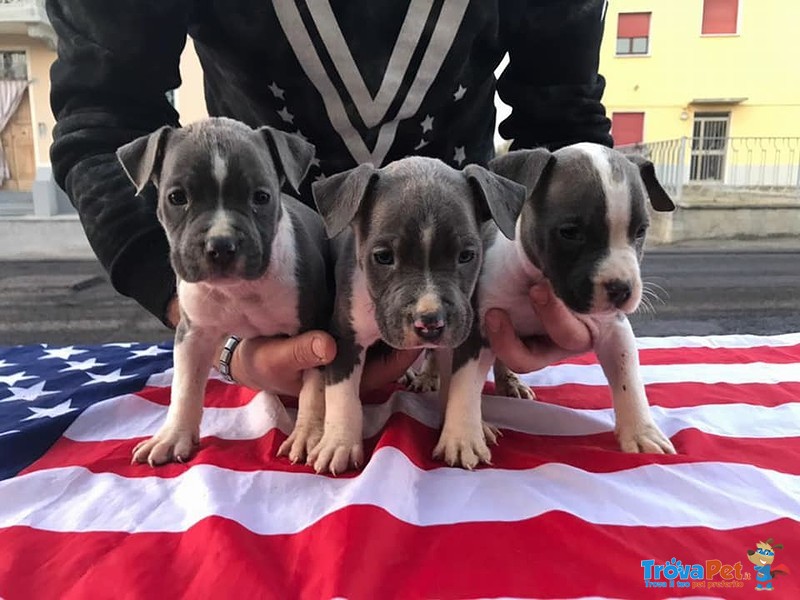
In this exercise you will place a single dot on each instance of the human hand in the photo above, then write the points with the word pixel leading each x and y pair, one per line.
pixel 276 364
pixel 566 334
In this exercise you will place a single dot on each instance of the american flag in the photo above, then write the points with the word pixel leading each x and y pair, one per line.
pixel 560 514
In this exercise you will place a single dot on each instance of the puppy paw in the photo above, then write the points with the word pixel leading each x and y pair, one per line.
pixel 465 447
pixel 170 444
pixel 336 453
pixel 491 433
pixel 409 376
pixel 511 386
pixel 424 382
pixel 643 437
pixel 302 440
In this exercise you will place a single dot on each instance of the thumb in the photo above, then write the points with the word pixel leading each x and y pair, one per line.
pixel 309 349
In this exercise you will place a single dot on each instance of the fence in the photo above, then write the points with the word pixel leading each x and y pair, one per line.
pixel 764 165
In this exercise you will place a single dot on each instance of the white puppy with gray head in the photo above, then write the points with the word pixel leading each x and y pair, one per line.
pixel 583 227
pixel 249 260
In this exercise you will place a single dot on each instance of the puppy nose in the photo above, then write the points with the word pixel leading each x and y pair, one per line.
pixel 619 292
pixel 429 325
pixel 221 250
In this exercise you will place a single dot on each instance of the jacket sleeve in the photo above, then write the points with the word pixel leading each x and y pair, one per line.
pixel 116 61
pixel 552 83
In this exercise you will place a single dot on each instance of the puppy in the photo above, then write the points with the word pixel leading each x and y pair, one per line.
pixel 407 246
pixel 249 260
pixel 583 227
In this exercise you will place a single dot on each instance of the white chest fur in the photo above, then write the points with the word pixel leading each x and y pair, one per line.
pixel 265 306
pixel 504 282
pixel 362 312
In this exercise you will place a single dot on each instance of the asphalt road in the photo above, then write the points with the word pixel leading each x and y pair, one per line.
pixel 700 292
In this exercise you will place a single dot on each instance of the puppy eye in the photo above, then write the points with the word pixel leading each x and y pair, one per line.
pixel 383 256
pixel 466 256
pixel 177 198
pixel 641 232
pixel 261 197
pixel 571 233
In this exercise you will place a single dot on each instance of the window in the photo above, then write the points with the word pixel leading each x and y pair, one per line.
pixel 709 143
pixel 13 65
pixel 720 17
pixel 627 128
pixel 633 33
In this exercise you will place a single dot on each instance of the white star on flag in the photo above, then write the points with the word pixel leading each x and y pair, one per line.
pixel 112 377
pixel 459 156
pixel 15 378
pixel 315 161
pixel 151 351
pixel 427 124
pixel 75 365
pixel 56 411
pixel 4 363
pixel 276 90
pixel 28 394
pixel 120 344
pixel 63 353
pixel 286 115
pixel 459 93
pixel 422 144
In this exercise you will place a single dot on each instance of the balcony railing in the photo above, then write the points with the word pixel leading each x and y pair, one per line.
pixel 766 166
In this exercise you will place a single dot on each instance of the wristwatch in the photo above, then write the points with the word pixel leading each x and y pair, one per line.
pixel 225 356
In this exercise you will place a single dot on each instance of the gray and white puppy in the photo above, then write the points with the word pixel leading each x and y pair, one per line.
pixel 407 246
pixel 249 260
pixel 583 227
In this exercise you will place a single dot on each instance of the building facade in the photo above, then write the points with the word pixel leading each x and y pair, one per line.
pixel 27 50
pixel 718 74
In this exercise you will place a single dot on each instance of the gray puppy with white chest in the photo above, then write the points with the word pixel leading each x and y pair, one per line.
pixel 407 247
pixel 583 228
pixel 249 260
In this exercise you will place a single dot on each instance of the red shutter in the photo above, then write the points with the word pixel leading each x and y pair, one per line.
pixel 720 16
pixel 633 25
pixel 627 128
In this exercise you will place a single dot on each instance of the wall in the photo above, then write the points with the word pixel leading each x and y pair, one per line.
pixel 190 99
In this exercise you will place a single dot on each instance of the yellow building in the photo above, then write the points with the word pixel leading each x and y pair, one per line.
pixel 27 50
pixel 720 71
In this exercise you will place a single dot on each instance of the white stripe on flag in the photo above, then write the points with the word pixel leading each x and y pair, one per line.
pixel 718 341
pixel 757 372
pixel 275 502
pixel 131 417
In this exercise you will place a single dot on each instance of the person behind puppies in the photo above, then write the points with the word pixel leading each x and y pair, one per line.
pixel 364 81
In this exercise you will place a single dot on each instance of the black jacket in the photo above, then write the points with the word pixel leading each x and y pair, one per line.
pixel 365 81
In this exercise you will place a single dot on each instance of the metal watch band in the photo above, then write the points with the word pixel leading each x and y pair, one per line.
pixel 225 356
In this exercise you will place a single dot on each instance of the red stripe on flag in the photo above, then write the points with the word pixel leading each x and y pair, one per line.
pixel 675 395
pixel 363 552
pixel 721 356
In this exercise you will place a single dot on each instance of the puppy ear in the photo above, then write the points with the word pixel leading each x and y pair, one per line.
pixel 141 159
pixel 500 199
pixel 291 153
pixel 527 167
pixel 658 196
pixel 339 196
